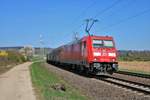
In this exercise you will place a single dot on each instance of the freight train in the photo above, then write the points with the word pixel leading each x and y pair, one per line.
pixel 91 54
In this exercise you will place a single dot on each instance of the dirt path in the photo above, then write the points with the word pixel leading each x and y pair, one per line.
pixel 16 84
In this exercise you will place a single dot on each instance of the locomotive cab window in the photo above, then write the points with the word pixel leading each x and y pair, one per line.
pixel 102 43
pixel 97 43
pixel 108 43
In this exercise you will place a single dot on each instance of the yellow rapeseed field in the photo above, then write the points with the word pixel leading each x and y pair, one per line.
pixel 3 53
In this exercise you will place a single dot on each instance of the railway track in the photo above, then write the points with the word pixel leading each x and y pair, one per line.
pixel 134 74
pixel 139 87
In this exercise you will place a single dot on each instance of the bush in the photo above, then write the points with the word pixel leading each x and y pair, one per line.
pixel 13 57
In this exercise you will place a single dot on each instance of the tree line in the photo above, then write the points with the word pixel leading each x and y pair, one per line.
pixel 133 55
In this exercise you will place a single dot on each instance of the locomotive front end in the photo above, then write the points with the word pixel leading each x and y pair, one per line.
pixel 103 56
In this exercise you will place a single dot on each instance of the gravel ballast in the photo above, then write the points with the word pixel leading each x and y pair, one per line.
pixel 94 88
pixel 133 78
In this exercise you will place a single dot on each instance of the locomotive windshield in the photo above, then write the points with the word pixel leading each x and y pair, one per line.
pixel 102 43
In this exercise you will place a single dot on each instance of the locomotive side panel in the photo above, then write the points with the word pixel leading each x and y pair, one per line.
pixel 94 54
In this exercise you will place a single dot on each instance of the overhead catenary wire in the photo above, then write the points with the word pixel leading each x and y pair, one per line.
pixel 120 21
pixel 99 13
pixel 107 8
pixel 127 18
pixel 80 15
pixel 84 12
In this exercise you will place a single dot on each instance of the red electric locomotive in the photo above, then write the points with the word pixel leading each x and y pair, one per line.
pixel 91 54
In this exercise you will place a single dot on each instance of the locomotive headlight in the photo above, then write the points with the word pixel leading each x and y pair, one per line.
pixel 97 54
pixel 112 54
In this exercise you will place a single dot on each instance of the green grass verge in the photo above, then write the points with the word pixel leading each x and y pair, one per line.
pixel 36 58
pixel 43 80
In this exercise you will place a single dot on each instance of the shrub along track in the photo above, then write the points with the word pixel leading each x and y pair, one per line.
pixel 94 88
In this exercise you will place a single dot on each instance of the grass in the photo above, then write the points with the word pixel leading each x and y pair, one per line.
pixel 36 58
pixel 43 80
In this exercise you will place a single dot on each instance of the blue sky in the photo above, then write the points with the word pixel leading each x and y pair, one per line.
pixel 22 21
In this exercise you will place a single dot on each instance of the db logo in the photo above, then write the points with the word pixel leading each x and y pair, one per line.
pixel 104 54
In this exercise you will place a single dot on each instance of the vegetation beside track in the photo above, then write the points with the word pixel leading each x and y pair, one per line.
pixel 37 58
pixel 140 67
pixel 134 61
pixel 47 84
pixel 8 59
pixel 133 55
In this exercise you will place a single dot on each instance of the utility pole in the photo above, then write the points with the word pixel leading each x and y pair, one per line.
pixel 41 46
pixel 89 23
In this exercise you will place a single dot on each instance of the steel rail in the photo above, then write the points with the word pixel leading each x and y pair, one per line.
pixel 134 74
pixel 139 87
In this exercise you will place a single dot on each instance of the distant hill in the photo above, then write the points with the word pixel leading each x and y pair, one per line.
pixel 37 50
pixel 17 48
